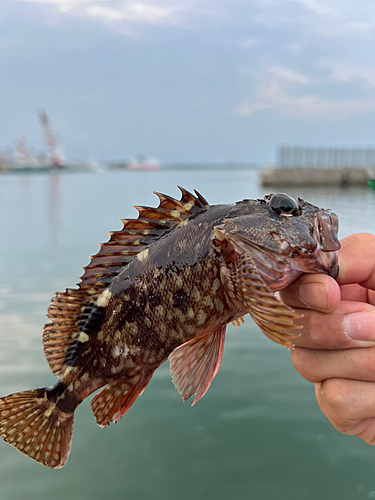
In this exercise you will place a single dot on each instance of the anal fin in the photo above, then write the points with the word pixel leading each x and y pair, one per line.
pixel 115 399
pixel 194 365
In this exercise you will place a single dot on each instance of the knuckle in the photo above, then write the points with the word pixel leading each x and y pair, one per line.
pixel 337 404
pixel 311 331
pixel 304 362
pixel 368 438
pixel 297 357
pixel 366 364
pixel 343 426
pixel 335 394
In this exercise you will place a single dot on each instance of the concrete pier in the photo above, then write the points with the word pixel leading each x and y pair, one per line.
pixel 346 176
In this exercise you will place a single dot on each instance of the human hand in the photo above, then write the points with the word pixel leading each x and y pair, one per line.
pixel 336 349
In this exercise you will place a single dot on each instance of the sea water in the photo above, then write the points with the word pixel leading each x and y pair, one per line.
pixel 258 432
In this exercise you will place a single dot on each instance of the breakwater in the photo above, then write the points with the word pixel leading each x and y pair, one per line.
pixel 345 176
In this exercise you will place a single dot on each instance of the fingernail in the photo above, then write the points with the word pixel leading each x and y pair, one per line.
pixel 314 295
pixel 360 326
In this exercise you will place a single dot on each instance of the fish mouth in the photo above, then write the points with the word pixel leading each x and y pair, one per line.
pixel 278 270
pixel 324 258
pixel 319 261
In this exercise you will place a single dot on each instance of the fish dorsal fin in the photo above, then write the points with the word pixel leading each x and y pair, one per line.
pixel 69 310
pixel 136 235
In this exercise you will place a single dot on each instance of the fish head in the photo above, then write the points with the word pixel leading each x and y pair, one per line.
pixel 284 237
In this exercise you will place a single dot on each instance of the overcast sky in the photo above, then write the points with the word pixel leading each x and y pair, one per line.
pixel 188 79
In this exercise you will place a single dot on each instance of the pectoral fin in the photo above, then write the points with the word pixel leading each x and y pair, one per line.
pixel 273 317
pixel 194 365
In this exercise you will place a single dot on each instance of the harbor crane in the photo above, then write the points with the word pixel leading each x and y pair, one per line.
pixel 54 157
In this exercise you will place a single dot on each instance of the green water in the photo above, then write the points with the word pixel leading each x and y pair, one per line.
pixel 257 433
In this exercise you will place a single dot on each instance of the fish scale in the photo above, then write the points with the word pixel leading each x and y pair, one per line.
pixel 165 286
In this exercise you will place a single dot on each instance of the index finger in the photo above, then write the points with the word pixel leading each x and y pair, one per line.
pixel 357 260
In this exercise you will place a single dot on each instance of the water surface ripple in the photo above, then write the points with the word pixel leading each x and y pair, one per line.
pixel 258 432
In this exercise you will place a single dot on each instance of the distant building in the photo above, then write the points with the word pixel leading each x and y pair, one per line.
pixel 310 157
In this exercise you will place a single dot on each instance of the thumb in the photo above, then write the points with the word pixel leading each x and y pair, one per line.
pixel 357 260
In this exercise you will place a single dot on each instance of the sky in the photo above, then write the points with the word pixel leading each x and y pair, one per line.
pixel 187 80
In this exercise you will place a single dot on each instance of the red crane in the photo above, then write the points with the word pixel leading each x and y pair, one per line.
pixel 54 157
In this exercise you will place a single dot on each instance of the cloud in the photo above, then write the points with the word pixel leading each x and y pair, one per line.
pixel 346 72
pixel 309 107
pixel 247 43
pixel 288 76
pixel 331 18
pixel 108 11
pixel 309 60
pixel 279 90
pixel 317 7
pixel 334 19
pixel 61 5
pixel 132 12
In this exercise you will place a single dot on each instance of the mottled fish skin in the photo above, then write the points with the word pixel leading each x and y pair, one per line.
pixel 167 287
pixel 163 299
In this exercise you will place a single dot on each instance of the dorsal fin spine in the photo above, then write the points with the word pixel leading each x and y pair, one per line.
pixel 170 203
pixel 201 199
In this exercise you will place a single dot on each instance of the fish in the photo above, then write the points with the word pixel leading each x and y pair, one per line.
pixel 166 286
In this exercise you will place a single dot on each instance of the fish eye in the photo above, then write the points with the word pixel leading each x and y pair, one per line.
pixel 283 204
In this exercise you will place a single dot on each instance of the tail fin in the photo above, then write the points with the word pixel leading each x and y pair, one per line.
pixel 32 424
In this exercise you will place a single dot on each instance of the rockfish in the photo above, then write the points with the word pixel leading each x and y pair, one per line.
pixel 165 286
